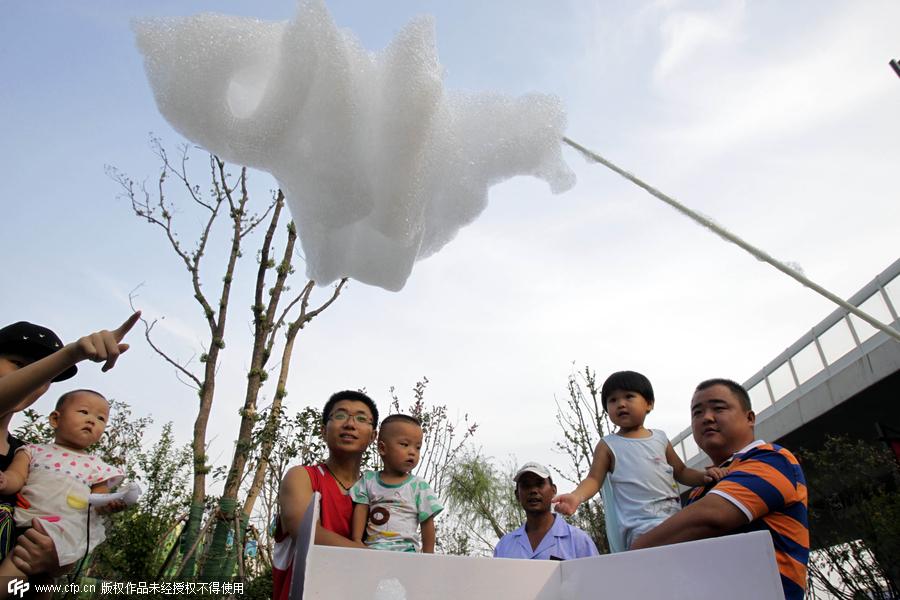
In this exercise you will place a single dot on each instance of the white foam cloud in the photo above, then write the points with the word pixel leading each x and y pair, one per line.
pixel 380 165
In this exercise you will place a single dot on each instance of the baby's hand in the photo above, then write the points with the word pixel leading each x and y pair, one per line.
pixel 111 507
pixel 715 474
pixel 105 346
pixel 566 504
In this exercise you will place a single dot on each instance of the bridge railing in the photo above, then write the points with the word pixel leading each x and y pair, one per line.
pixel 838 340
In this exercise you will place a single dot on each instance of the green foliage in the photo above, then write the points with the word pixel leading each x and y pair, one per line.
pixel 139 538
pixel 260 587
pixel 36 428
pixel 482 497
pixel 854 519
pixel 297 441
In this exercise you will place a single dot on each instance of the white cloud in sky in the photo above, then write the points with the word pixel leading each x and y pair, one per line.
pixel 165 322
pixel 687 33
pixel 755 87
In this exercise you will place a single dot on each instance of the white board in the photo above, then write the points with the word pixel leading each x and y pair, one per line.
pixel 739 567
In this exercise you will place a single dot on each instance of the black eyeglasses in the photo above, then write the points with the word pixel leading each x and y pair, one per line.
pixel 340 416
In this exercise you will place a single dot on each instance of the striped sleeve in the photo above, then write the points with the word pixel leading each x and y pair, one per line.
pixel 762 482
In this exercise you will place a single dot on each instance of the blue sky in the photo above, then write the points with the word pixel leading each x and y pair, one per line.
pixel 779 120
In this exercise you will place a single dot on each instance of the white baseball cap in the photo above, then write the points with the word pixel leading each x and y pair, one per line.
pixel 532 467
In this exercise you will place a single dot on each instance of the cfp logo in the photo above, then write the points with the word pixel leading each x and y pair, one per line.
pixel 17 587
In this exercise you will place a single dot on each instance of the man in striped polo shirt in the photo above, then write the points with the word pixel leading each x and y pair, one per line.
pixel 764 489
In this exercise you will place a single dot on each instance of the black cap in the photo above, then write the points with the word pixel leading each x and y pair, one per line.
pixel 32 341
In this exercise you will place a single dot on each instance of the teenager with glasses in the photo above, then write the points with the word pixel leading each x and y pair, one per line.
pixel 349 423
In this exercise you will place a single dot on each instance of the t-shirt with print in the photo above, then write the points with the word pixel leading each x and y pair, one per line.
pixel 395 510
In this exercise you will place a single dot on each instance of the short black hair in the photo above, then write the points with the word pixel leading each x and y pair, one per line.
pixel 627 381
pixel 67 395
pixel 349 395
pixel 737 389
pixel 397 418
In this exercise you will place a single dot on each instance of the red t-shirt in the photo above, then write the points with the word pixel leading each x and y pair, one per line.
pixel 335 512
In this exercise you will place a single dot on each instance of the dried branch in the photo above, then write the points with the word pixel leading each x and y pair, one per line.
pixel 148 327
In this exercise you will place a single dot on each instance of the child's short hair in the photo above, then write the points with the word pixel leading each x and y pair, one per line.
pixel 627 381
pixel 349 395
pixel 396 418
pixel 67 395
pixel 737 389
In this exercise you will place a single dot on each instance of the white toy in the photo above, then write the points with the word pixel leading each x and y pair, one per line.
pixel 129 492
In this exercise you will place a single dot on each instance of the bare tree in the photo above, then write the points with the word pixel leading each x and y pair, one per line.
pixel 443 441
pixel 583 422
pixel 226 205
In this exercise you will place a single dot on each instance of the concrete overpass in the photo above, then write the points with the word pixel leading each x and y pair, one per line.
pixel 843 376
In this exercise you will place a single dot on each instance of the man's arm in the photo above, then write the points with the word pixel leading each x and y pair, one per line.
pixel 35 552
pixel 428 535
pixel 294 497
pixel 101 346
pixel 711 516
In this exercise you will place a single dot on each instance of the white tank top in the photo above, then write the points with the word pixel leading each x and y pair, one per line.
pixel 640 493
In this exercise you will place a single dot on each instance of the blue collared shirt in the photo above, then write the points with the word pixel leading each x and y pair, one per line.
pixel 563 541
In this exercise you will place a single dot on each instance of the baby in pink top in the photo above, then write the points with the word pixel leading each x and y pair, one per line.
pixel 56 479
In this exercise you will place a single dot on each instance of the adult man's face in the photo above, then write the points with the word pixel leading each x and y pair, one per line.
pixel 720 424
pixel 535 492
pixel 349 427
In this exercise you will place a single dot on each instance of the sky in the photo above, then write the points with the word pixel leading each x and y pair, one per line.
pixel 777 120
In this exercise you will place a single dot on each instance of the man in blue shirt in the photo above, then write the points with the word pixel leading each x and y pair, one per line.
pixel 544 534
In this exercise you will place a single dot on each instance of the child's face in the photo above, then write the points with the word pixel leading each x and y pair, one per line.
pixel 10 363
pixel 80 421
pixel 400 445
pixel 627 409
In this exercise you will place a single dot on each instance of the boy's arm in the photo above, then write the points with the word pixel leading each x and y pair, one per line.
pixel 358 522
pixel 428 535
pixel 294 496
pixel 692 477
pixel 567 504
pixel 99 347
pixel 13 479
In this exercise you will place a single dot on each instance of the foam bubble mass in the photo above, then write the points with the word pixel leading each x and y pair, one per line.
pixel 380 165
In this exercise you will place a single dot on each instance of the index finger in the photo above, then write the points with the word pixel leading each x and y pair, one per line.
pixel 125 327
